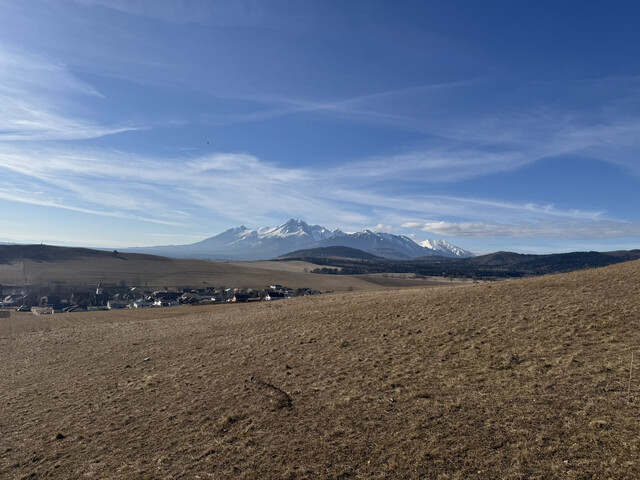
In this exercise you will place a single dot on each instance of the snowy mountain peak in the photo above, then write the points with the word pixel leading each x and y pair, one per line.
pixel 293 225
pixel 298 228
pixel 242 243
pixel 442 247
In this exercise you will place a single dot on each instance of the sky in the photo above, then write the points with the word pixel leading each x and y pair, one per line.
pixel 496 125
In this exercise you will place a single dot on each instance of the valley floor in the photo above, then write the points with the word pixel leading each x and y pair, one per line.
pixel 519 379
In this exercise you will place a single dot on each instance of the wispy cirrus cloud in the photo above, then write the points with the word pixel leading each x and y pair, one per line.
pixel 43 199
pixel 161 190
pixel 361 108
pixel 217 12
pixel 484 141
pixel 511 128
pixel 37 95
pixel 550 228
pixel 37 100
pixel 180 191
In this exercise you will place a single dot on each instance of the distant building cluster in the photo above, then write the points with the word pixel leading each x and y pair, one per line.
pixel 135 297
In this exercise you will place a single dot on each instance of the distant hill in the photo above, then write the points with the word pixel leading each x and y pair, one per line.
pixel 45 264
pixel 75 269
pixel 493 265
pixel 47 253
pixel 553 263
pixel 329 252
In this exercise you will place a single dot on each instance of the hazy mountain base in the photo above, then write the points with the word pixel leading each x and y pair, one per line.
pixel 521 379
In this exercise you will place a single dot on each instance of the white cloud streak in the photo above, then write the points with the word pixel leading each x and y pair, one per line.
pixel 486 139
pixel 35 99
pixel 591 229
pixel 38 96
pixel 40 199
pixel 209 12
pixel 181 191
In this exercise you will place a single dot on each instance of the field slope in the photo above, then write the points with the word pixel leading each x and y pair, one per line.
pixel 521 379
pixel 49 265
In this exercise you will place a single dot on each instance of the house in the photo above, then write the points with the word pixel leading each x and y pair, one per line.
pixel 165 302
pixel 101 298
pixel 140 303
pixel 166 294
pixel 226 295
pixel 242 297
pixel 52 301
pixel 207 298
pixel 274 295
pixel 189 298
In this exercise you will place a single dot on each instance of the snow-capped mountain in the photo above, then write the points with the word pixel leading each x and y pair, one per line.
pixel 381 244
pixel 442 247
pixel 295 228
pixel 242 243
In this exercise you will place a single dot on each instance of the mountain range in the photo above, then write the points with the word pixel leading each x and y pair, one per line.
pixel 242 243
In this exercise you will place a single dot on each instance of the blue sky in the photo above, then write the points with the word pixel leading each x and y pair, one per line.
pixel 497 125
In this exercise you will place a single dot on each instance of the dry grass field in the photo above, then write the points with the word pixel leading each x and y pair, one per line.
pixel 141 270
pixel 523 379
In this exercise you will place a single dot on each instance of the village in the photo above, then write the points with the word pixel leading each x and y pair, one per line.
pixel 111 297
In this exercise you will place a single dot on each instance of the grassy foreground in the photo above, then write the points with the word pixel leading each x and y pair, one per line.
pixel 522 379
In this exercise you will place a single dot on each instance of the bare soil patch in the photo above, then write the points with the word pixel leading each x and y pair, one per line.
pixel 520 379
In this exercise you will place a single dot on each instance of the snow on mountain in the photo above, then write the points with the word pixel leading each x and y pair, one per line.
pixel 378 243
pixel 242 243
pixel 296 228
pixel 442 247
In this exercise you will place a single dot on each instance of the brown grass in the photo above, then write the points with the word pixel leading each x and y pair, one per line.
pixel 141 270
pixel 521 379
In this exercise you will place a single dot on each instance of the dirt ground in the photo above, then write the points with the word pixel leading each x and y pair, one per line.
pixel 523 379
